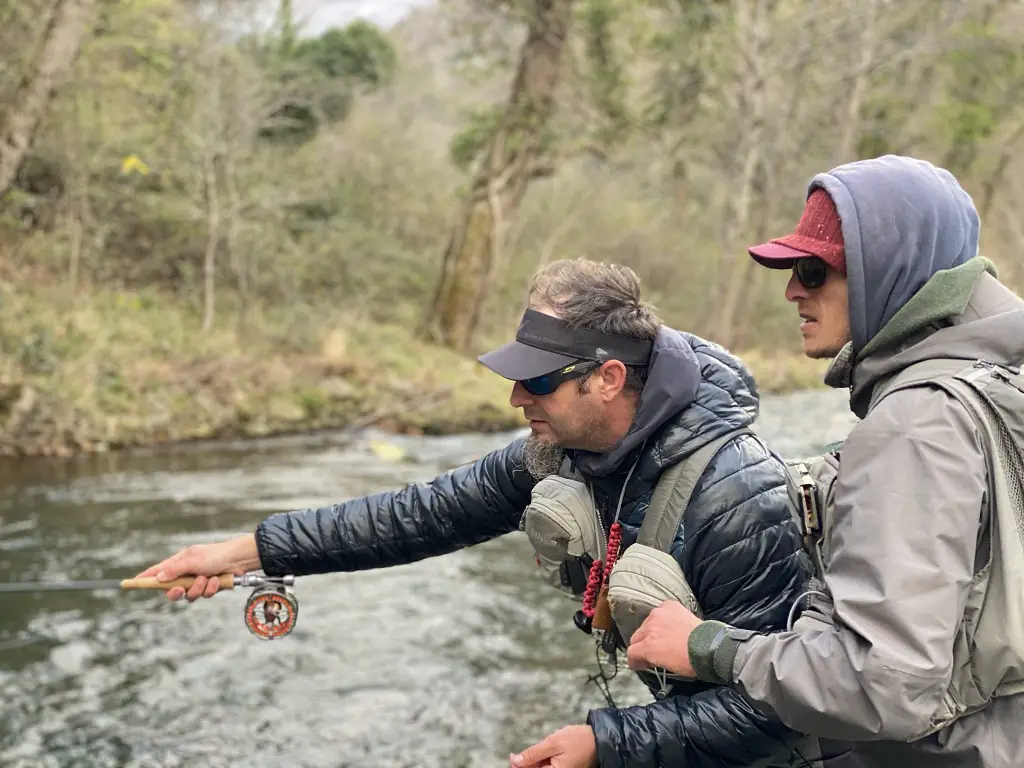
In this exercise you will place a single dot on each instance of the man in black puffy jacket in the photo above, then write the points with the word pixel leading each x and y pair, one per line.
pixel 619 397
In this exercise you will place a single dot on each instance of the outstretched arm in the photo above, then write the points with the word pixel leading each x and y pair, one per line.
pixel 466 506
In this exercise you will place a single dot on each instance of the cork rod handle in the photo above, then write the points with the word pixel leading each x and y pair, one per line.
pixel 227 581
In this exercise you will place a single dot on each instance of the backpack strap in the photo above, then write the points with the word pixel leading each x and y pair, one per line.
pixel 951 374
pixel 924 372
pixel 672 494
pixel 810 482
pixel 966 382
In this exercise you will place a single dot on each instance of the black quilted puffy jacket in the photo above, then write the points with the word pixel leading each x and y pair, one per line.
pixel 737 544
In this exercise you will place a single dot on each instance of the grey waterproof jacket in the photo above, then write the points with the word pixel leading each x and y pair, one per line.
pixel 906 535
pixel 908 530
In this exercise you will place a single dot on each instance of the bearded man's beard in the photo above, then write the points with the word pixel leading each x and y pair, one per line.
pixel 541 458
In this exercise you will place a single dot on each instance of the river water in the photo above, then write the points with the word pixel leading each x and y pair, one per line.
pixel 452 662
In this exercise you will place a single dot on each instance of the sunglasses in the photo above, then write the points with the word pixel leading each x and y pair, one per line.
pixel 811 272
pixel 549 382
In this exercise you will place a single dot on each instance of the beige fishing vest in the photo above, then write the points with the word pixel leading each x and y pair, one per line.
pixel 567 534
pixel 988 650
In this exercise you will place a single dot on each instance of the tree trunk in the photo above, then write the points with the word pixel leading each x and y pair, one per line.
pixel 286 27
pixel 57 54
pixel 76 225
pixel 994 180
pixel 212 236
pixel 766 193
pixel 753 22
pixel 690 83
pixel 236 257
pixel 776 164
pixel 474 253
pixel 851 126
pixel 77 196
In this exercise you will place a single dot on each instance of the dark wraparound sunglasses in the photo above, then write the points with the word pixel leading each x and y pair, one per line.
pixel 549 382
pixel 811 272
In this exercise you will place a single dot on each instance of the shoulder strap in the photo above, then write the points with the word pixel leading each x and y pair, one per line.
pixel 942 371
pixel 673 492
pixel 999 421
pixel 926 371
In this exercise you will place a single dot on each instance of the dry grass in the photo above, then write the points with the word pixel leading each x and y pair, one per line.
pixel 120 369
pixel 108 369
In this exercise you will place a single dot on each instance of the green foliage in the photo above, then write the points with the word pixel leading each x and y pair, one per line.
pixel 883 118
pixel 358 53
pixel 37 353
pixel 677 41
pixel 319 77
pixel 466 145
pixel 355 207
pixel 984 73
pixel 291 123
pixel 606 77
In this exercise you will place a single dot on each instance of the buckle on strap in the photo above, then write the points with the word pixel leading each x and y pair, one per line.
pixel 809 503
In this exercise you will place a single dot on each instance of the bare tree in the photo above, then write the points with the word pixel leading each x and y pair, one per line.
pixel 514 158
pixel 753 27
pixel 58 51
pixel 781 148
pixel 868 42
pixel 208 140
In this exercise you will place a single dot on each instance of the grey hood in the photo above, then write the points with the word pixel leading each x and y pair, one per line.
pixel 903 221
pixel 672 382
pixel 990 327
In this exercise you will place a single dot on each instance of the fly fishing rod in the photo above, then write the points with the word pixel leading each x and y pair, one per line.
pixel 270 611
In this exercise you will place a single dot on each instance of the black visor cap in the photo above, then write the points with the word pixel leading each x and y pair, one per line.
pixel 544 344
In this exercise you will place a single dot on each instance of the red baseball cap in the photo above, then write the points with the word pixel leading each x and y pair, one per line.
pixel 819 233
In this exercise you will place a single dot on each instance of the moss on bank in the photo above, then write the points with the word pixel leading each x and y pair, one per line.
pixel 109 370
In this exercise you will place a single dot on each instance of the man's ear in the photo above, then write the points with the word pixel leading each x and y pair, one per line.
pixel 611 379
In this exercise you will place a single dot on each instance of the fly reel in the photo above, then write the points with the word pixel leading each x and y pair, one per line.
pixel 272 608
pixel 270 611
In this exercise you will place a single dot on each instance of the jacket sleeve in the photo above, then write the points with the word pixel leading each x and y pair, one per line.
pixel 716 727
pixel 742 557
pixel 903 544
pixel 466 506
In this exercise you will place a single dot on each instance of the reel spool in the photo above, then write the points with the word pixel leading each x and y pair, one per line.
pixel 271 611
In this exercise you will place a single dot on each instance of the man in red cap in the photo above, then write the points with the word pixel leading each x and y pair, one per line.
pixel 912 648
pixel 815 254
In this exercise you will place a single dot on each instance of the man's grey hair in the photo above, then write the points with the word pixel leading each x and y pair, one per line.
pixel 600 297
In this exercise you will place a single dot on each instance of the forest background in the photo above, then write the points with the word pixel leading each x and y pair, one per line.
pixel 218 224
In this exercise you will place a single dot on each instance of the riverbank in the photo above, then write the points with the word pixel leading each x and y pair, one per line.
pixel 108 370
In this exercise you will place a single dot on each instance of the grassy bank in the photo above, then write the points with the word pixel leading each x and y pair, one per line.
pixel 114 370
pixel 108 370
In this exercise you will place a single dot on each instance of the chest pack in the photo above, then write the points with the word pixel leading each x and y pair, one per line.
pixel 988 649
pixel 568 535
